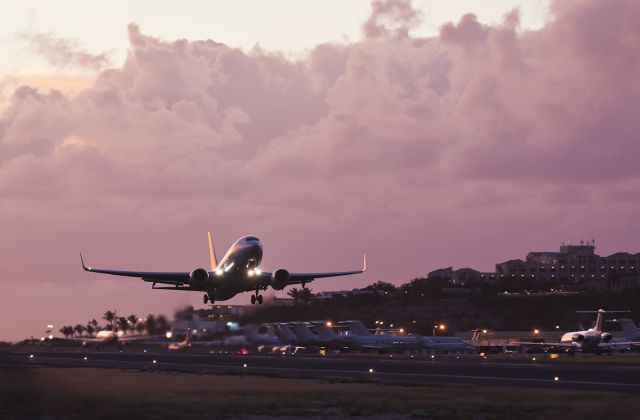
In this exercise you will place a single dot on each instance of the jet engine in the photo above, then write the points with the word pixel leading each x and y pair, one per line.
pixel 606 337
pixel 198 277
pixel 577 337
pixel 279 279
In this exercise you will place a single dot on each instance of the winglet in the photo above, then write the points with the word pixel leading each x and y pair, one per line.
pixel 364 263
pixel 212 254
pixel 84 267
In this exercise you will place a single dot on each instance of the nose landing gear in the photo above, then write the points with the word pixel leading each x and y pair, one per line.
pixel 256 298
pixel 209 298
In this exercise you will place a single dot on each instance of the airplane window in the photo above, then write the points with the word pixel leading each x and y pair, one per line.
pixel 252 239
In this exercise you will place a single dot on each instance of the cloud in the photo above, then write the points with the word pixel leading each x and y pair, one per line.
pixel 466 148
pixel 63 52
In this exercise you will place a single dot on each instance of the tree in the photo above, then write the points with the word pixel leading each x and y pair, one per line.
pixel 140 326
pixel 123 324
pixel 300 295
pixel 90 329
pixel 95 325
pixel 67 330
pixel 79 328
pixel 133 320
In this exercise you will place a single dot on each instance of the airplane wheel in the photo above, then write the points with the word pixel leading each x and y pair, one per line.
pixel 206 299
pixel 253 299
pixel 260 299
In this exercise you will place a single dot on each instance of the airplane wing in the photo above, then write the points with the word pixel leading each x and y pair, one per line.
pixel 173 278
pixel 548 344
pixel 299 278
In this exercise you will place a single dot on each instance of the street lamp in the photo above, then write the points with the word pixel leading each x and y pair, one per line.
pixel 440 327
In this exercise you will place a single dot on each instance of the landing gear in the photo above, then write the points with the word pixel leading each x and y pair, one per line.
pixel 208 298
pixel 256 298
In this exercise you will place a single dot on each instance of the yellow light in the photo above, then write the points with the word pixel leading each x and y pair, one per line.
pixel 536 331
pixel 557 327
pixel 218 272
pixel 401 330
pixel 258 271
pixel 169 334
pixel 484 331
pixel 442 326
pixel 329 323
pixel 50 336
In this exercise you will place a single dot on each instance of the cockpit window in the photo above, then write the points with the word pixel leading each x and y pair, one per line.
pixel 251 239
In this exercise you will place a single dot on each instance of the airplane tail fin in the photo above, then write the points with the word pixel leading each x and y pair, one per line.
pixel 600 317
pixel 212 254
pixel 631 331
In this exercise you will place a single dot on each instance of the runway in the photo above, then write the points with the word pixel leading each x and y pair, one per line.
pixel 480 372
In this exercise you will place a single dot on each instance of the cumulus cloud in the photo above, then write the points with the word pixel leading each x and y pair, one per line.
pixel 63 52
pixel 466 148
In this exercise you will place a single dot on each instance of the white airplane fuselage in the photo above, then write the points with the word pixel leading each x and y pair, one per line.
pixel 585 340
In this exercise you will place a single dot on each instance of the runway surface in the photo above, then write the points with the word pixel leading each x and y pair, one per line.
pixel 522 373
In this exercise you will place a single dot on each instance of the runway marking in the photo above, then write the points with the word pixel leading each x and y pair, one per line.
pixel 357 372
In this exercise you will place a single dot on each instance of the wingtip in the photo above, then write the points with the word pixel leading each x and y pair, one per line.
pixel 84 267
pixel 364 263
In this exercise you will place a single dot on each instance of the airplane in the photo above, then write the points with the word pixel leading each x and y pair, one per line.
pixel 181 345
pixel 237 272
pixel 590 340
pixel 380 342
pixel 629 328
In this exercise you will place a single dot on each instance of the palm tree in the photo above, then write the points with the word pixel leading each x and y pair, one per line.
pixel 109 316
pixel 79 328
pixel 140 326
pixel 133 320
pixel 66 330
pixel 150 324
pixel 90 329
pixel 300 295
pixel 294 293
pixel 123 324
pixel 95 325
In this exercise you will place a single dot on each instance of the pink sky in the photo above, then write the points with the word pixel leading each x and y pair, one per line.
pixel 468 148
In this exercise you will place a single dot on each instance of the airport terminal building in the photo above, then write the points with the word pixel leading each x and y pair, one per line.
pixel 573 263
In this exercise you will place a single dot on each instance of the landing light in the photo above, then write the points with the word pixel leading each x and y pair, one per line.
pixel 257 271
pixel 169 334
pixel 329 323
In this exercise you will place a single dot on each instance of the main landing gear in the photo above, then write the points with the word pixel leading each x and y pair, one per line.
pixel 256 298
pixel 209 297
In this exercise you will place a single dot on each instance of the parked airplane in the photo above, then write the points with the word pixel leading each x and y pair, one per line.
pixel 237 272
pixel 364 339
pixel 590 340
pixel 630 329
